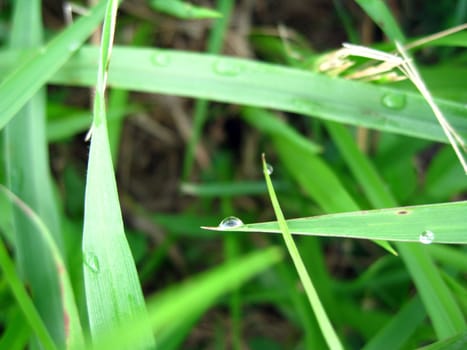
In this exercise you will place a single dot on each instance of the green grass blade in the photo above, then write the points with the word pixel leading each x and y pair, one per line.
pixel 380 14
pixel 404 324
pixel 23 299
pixel 270 124
pixel 183 9
pixel 405 224
pixel 375 189
pixel 326 327
pixel 113 292
pixel 252 83
pixel 166 309
pixel 20 85
pixel 72 327
pixel 25 148
pixel 293 149
pixel 439 302
pixel 215 43
pixel 457 342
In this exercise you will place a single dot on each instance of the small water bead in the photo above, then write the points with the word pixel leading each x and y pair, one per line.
pixel 230 222
pixel 227 67
pixel 269 169
pixel 161 59
pixel 426 237
pixel 394 101
pixel 303 105
pixel 92 262
pixel 74 46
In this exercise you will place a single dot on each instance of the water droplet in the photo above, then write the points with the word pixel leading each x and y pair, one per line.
pixel 394 101
pixel 230 222
pixel 161 59
pixel 303 105
pixel 73 46
pixel 426 237
pixel 269 169
pixel 91 261
pixel 227 67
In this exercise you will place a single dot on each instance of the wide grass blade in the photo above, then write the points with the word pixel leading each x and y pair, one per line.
pixel 21 84
pixel 113 292
pixel 247 82
pixel 435 223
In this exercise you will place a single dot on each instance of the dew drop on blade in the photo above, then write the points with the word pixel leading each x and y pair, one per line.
pixel 161 59
pixel 230 222
pixel 426 237
pixel 394 101
pixel 269 169
pixel 92 262
pixel 228 68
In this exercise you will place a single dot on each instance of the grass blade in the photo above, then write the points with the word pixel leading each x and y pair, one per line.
pixel 113 292
pixel 404 224
pixel 20 85
pixel 326 327
pixel 27 307
pixel 165 309
pixel 24 148
pixel 253 83
pixel 380 14
pixel 72 327
pixel 407 320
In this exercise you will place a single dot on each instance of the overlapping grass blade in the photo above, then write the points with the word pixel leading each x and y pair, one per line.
pixel 442 308
pixel 459 341
pixel 25 148
pixel 298 155
pixel 215 43
pixel 113 292
pixel 73 337
pixel 23 82
pixel 27 307
pixel 252 83
pixel 404 324
pixel 192 298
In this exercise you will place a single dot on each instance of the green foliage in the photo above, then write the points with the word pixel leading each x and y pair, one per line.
pixel 73 277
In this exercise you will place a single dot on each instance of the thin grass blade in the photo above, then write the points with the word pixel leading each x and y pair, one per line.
pixel 326 327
